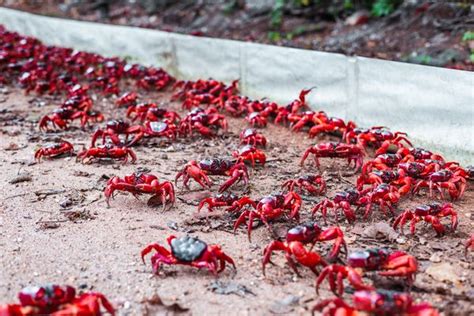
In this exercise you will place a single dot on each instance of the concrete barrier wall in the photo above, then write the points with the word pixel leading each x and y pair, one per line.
pixel 434 106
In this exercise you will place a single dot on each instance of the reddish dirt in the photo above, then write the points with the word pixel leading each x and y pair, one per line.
pixel 414 33
pixel 91 246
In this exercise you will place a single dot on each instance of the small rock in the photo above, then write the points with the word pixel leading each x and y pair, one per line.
pixel 22 177
pixel 65 202
pixel 172 225
pixel 435 257
pixel 443 272
pixel 164 157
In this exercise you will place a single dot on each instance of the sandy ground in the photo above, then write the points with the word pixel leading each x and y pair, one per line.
pixel 93 247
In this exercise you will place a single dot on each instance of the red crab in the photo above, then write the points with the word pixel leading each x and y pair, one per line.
pixel 314 184
pixel 54 150
pixel 379 302
pixel 385 195
pixel 303 119
pixel 430 213
pixel 156 129
pixel 214 166
pixel 342 200
pixel 455 182
pixel 270 208
pixel 469 244
pixel 127 99
pixel 256 119
pixel 226 199
pixel 388 176
pixel 78 103
pixel 379 136
pixel 236 105
pixel 202 121
pixel 151 112
pixel 141 183
pixel 62 116
pixel 412 154
pixel 297 238
pixel 330 125
pixel 392 264
pixel 299 103
pixel 250 136
pixel 86 304
pixel 250 153
pixel 108 151
pixel 113 129
pixel 335 150
pixel 56 300
pixel 382 162
pixel 188 251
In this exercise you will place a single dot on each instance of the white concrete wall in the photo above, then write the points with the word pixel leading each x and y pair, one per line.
pixel 434 106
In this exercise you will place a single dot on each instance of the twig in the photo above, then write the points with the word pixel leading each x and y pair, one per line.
pixel 48 192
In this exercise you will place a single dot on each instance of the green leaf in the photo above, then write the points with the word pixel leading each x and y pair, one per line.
pixel 276 17
pixel 471 57
pixel 274 36
pixel 383 7
pixel 468 36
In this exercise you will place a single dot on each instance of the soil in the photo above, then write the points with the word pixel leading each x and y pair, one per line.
pixel 56 227
pixel 425 32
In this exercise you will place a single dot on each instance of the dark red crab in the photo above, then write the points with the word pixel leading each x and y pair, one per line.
pixel 54 150
pixel 56 300
pixel 230 200
pixel 250 153
pixel 352 153
pixel 202 121
pixel 327 124
pixel 188 251
pixel 141 183
pixel 314 184
pixel 199 171
pixel 391 264
pixel 113 129
pixel 378 303
pixel 108 151
pixel 431 213
pixel 343 200
pixel 127 99
pixel 454 182
pixel 270 208
pixel 156 129
pixel 297 238
pixel 60 118
pixel 250 136
pixel 385 195
pixel 152 113
pixel 388 176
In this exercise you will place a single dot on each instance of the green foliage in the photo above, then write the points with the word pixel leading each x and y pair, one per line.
pixel 468 36
pixel 277 13
pixel 471 57
pixel 383 7
pixel 274 36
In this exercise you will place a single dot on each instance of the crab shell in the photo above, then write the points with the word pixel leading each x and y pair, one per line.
pixel 370 259
pixel 50 295
pixel 215 165
pixel 187 249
